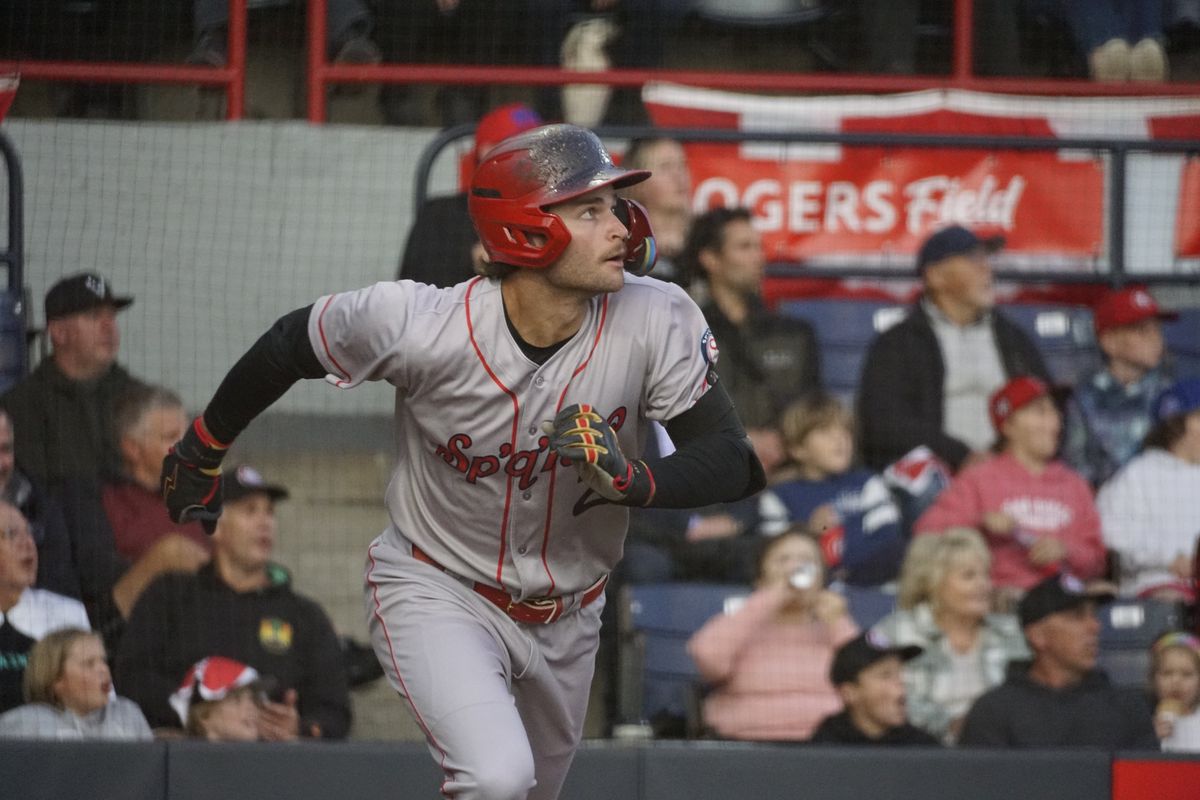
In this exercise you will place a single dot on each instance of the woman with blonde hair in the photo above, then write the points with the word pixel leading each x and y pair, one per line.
pixel 68 690
pixel 944 603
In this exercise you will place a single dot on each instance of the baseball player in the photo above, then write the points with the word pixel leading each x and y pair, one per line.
pixel 521 399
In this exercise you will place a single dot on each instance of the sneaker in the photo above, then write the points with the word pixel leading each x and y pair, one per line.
pixel 1148 61
pixel 211 49
pixel 1110 61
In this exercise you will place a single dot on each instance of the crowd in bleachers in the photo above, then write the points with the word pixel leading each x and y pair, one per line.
pixel 997 509
pixel 1111 41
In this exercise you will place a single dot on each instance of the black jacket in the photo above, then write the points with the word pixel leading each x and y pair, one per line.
pixel 766 363
pixel 839 729
pixel 438 250
pixel 900 397
pixel 63 428
pixel 1022 713
pixel 183 618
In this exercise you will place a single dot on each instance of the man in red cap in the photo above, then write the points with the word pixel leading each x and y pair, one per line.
pixel 442 247
pixel 1110 412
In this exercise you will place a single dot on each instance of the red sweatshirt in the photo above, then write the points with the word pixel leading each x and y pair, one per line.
pixel 1057 503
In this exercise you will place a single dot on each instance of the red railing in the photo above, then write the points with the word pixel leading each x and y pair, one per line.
pixel 232 76
pixel 322 73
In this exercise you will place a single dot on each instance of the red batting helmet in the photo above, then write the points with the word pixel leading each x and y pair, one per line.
pixel 522 175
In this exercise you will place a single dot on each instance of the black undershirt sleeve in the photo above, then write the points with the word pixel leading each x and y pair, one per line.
pixel 713 461
pixel 280 357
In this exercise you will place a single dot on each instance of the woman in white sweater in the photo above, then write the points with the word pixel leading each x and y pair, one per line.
pixel 1150 510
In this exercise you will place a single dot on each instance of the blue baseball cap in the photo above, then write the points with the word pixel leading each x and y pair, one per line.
pixel 954 241
pixel 1182 397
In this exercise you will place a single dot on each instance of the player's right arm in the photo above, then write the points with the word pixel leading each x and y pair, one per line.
pixel 345 338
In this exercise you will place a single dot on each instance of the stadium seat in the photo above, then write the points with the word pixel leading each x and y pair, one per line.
pixel 845 329
pixel 1183 340
pixel 13 347
pixel 868 604
pixel 1127 629
pixel 655 622
pixel 1063 334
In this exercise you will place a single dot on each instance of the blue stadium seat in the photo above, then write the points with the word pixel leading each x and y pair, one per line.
pixel 1127 629
pixel 13 349
pixel 1063 334
pixel 1183 340
pixel 656 621
pixel 868 604
pixel 845 329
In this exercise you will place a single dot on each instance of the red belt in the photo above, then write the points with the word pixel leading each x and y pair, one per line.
pixel 534 611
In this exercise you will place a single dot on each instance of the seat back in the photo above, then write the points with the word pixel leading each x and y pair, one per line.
pixel 656 621
pixel 868 604
pixel 14 351
pixel 1183 341
pixel 1127 629
pixel 1063 335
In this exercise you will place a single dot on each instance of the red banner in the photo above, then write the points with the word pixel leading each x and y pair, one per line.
pixel 830 202
pixel 8 91
pixel 1155 780
pixel 887 201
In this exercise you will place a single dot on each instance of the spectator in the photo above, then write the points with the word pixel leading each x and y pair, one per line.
pixel 851 510
pixel 76 554
pixel 149 419
pixel 891 33
pixel 1121 39
pixel 768 360
pixel 348 33
pixel 443 248
pixel 241 606
pixel 26 614
pixel 1110 411
pixel 944 599
pixel 1037 514
pixel 69 692
pixel 61 412
pixel 867 672
pixel 926 381
pixel 1175 675
pixel 1150 511
pixel 1060 699
pixel 667 197
pixel 219 700
pixel 768 661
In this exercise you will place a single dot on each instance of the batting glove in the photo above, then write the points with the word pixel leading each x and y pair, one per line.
pixel 581 436
pixel 191 477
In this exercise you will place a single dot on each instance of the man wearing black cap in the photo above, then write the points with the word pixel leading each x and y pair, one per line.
pixel 927 380
pixel 241 605
pixel 867 672
pixel 61 412
pixel 1060 699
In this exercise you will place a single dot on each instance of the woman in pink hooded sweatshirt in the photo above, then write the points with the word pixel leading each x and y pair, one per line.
pixel 1037 514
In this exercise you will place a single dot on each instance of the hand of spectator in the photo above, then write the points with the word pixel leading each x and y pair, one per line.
pixel 823 517
pixel 1047 550
pixel 447 6
pixel 717 526
pixel 1181 567
pixel 279 722
pixel 174 552
pixel 768 446
pixel 1164 725
pixel 997 523
pixel 829 607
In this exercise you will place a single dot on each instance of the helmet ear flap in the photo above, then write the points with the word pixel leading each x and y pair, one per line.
pixel 641 251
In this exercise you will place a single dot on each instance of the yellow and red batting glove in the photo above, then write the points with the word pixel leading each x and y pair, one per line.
pixel 585 439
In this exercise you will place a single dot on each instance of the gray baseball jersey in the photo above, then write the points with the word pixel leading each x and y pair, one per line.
pixel 477 489
pixel 476 486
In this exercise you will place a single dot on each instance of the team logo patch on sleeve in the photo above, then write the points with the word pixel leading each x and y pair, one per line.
pixel 709 352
